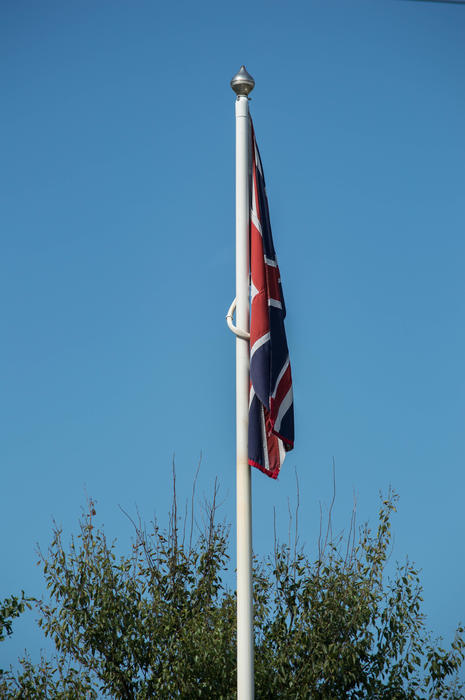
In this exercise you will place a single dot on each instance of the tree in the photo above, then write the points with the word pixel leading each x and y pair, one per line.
pixel 9 609
pixel 160 621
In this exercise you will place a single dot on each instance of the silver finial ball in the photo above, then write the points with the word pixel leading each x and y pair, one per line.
pixel 242 83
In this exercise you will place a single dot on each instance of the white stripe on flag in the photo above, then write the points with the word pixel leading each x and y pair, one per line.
pixel 251 395
pixel 286 403
pixel 258 162
pixel 258 343
pixel 253 213
pixel 264 439
pixel 256 222
pixel 253 291
pixel 280 376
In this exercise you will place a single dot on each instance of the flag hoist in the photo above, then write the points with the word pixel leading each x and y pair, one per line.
pixel 264 403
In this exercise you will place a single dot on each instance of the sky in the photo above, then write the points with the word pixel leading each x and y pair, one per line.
pixel 117 269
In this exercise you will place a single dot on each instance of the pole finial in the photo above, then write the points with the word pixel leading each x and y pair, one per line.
pixel 242 83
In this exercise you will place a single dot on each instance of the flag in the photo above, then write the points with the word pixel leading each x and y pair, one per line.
pixel 271 409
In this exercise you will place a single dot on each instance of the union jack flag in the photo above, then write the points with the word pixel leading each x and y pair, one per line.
pixel 271 408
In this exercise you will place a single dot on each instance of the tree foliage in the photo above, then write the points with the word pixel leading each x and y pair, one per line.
pixel 159 622
pixel 10 608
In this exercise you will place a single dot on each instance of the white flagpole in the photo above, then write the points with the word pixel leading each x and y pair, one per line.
pixel 243 84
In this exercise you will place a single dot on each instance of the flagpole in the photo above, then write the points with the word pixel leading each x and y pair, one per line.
pixel 243 84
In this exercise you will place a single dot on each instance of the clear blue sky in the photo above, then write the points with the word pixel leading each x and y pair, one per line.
pixel 117 266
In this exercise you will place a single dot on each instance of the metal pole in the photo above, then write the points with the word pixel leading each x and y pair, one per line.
pixel 242 84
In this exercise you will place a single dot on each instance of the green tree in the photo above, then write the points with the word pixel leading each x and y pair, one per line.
pixel 160 621
pixel 9 609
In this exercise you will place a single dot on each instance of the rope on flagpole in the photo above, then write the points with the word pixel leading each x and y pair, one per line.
pixel 229 320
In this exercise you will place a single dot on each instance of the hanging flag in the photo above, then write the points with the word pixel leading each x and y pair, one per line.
pixel 271 409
